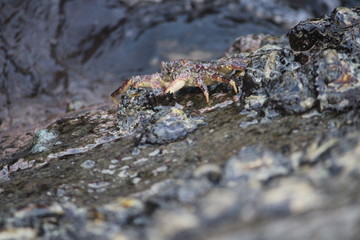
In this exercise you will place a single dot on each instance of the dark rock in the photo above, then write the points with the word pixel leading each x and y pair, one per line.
pixel 139 111
pixel 327 32
pixel 338 83
pixel 169 125
pixel 320 69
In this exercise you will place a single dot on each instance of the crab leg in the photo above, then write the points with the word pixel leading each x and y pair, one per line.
pixel 128 83
pixel 219 78
pixel 203 88
pixel 153 81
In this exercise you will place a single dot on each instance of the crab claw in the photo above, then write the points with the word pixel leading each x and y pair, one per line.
pixel 175 85
pixel 182 79
pixel 151 81
pixel 179 82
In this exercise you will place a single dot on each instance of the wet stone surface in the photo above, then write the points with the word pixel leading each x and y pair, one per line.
pixel 281 158
pixel 294 78
pixel 142 111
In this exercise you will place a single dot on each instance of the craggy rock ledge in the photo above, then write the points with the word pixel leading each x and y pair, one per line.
pixel 280 160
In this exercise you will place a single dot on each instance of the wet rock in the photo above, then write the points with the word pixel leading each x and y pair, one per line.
pixel 4 173
pixel 335 56
pixel 170 125
pixel 317 69
pixel 118 39
pixel 154 153
pixel 244 45
pixel 327 32
pixel 274 78
pixel 338 80
pixel 255 102
pixel 140 111
pixel 256 165
pixel 136 110
pixel 88 164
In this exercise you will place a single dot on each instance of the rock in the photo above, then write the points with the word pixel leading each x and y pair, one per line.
pixel 170 125
pixel 338 81
pixel 281 159
pixel 255 165
pixel 319 65
pixel 333 46
pixel 88 164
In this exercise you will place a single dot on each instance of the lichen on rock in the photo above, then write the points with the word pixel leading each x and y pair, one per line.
pixel 44 140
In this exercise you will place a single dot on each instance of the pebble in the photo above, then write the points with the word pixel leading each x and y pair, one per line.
pixel 135 152
pixel 136 180
pixel 108 171
pixel 159 169
pixel 14 167
pixel 24 164
pixel 133 175
pixel 141 160
pixel 154 153
pixel 124 167
pixel 112 166
pixel 123 174
pixel 41 165
pixel 246 124
pixel 88 164
pixel 98 185
pixel 114 161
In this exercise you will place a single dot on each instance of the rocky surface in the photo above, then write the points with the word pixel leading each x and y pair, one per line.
pixel 59 56
pixel 280 160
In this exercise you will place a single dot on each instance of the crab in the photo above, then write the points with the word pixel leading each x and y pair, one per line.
pixel 179 73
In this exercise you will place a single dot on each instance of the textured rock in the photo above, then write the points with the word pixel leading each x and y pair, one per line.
pixel 282 159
